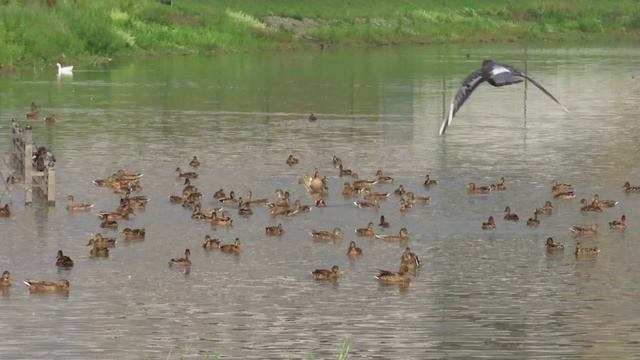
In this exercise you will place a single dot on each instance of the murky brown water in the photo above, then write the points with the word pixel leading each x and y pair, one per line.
pixel 494 294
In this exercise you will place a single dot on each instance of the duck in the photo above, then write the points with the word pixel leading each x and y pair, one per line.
pixel 501 186
pixel 274 230
pixel 534 221
pixel 428 181
pixel 122 175
pixel 344 172
pixel 585 206
pixel 367 204
pixel 473 189
pixel 411 198
pixel 63 261
pixel 136 202
pixel 490 224
pixel 194 163
pixel 547 209
pixel 368 231
pixel 244 209
pixel 409 260
pixel 181 262
pixel 248 199
pixel 585 251
pixel 353 251
pixel 510 216
pixel 316 184
pixel 134 234
pixel 5 212
pixel 584 230
pixel 400 190
pixel 5 280
pixel 326 235
pixel 336 160
pixel 313 117
pixel 292 160
pixel 391 277
pixel 231 199
pixel 64 70
pixel 618 224
pixel 602 203
pixel 565 195
pixel 405 205
pixel 629 189
pixel 219 194
pixel 188 188
pixel 297 205
pixel 347 189
pixel 360 184
pixel 50 120
pixel 210 243
pixel 382 178
pixel 324 274
pixel 550 245
pixel 232 248
pixel 188 174
pixel 47 286
pixel 100 241
pixel 367 194
pixel 121 213
pixel 176 199
pixel 73 206
pixel 33 114
pixel 321 203
pixel 224 219
pixel 383 223
pixel 99 251
pixel 13 179
pixel 283 199
pixel 560 187
pixel 403 234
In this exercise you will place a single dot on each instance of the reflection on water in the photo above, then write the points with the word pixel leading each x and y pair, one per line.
pixel 496 293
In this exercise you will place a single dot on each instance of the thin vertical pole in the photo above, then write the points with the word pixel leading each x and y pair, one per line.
pixel 51 186
pixel 526 56
pixel 444 98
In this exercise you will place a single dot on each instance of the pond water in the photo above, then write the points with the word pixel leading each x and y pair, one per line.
pixel 492 294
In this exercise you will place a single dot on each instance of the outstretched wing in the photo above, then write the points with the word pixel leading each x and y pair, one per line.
pixel 468 85
pixel 521 74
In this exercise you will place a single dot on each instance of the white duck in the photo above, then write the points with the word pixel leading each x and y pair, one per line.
pixel 64 70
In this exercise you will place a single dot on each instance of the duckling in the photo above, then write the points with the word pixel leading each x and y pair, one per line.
pixel 367 194
pixel 194 163
pixel 231 199
pixel 368 231
pixel 5 212
pixel 63 261
pixel 134 234
pixel 321 203
pixel 326 235
pixel 343 172
pixel 547 209
pixel 560 187
pixel 411 198
pixel 336 160
pixel 409 260
pixel 618 224
pixel 490 224
pixel 383 223
pixel 47 286
pixel 224 219
pixel 552 246
pixel 72 206
pixel 390 277
pixel 501 186
pixel 429 182
pixel 353 250
pixel 219 194
pixel 566 195
pixel 629 189
pixel 367 204
pixel 324 274
pixel 585 206
pixel 400 190
pixel 510 216
pixel 584 230
pixel 100 241
pixel 210 244
pixel 382 178
pixel 403 234
pixel 292 160
pixel 274 230
pixel 182 262
pixel 188 174
pixel 473 189
pixel 583 251
pixel 534 221
pixel 602 203
pixel 347 189
pixel 232 248
pixel 5 281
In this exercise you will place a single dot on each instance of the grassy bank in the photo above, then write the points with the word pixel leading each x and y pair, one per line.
pixel 70 30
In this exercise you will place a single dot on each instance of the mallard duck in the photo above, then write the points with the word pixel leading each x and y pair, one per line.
pixel 50 120
pixel 510 216
pixel 585 206
pixel 382 178
pixel 32 115
pixel 403 234
pixel 584 251
pixel 490 224
pixel 411 198
pixel 210 244
pixel 182 262
pixel 429 181
pixel 188 174
pixel 121 213
pixel 72 206
pixel 326 235
pixel 367 204
pixel 297 205
pixel 344 172
pixel 324 274
pixel 473 189
pixel 134 234
pixel 244 209
pixel 560 187
pixel 336 161
pixel 551 246
pixel 231 199
pixel 63 261
pixel 584 230
pixel 274 230
pixel 5 211
pixel 359 184
pixel 547 209
pixel 13 179
pixel 566 195
pixel 248 198
pixel 313 117
pixel 5 281
pixel 224 219
pixel 501 186
pixel 409 260
pixel 321 203
pixel 629 189
pixel 353 250
pixel 618 224
pixel 383 223
pixel 136 202
pixel 400 190
pixel 405 205
pixel 175 199
pixel 232 248
pixel 316 184
pixel 368 231
pixel 100 241
pixel 390 277
pixel 292 160
pixel 347 189
pixel 534 221
pixel 367 194
pixel 194 163
pixel 283 199
pixel 99 251
pixel 47 286
pixel 219 194
pixel 602 203
pixel 123 175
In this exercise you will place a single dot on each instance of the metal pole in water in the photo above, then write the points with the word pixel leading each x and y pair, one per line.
pixel 526 55
pixel 444 95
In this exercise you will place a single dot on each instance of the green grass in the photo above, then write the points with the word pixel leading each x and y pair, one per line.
pixel 32 32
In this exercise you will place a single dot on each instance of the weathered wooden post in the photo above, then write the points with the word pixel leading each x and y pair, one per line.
pixel 28 165
pixel 51 186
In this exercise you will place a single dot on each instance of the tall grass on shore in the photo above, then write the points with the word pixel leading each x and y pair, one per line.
pixel 31 31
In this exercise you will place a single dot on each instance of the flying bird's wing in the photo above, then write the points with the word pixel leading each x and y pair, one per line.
pixel 468 85
pixel 519 73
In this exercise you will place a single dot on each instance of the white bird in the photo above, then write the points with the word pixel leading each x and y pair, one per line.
pixel 64 70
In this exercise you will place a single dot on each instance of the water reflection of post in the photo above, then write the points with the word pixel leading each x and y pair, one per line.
pixel 525 86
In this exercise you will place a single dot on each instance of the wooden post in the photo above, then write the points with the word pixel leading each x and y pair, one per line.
pixel 51 186
pixel 28 166
pixel 526 57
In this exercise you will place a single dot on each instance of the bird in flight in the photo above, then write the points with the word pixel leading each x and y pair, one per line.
pixel 496 75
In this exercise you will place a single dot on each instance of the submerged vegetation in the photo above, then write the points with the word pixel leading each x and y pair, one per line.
pixel 34 31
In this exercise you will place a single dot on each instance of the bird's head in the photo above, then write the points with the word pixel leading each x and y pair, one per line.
pixel 487 62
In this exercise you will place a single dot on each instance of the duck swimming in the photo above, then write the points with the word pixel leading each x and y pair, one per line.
pixel 183 261
pixel 551 246
pixel 63 261
pixel 618 224
pixel 324 274
pixel 353 250
pixel 490 224
pixel 403 234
